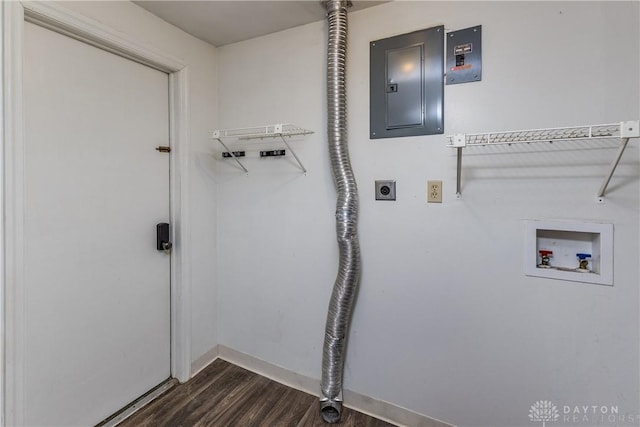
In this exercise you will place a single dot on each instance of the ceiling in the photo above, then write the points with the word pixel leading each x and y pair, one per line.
pixel 224 22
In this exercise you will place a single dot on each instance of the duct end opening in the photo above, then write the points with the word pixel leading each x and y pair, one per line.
pixel 330 411
pixel 334 5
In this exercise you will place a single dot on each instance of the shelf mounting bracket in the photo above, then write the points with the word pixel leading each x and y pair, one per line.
pixel 232 155
pixel 293 153
pixel 459 173
pixel 612 169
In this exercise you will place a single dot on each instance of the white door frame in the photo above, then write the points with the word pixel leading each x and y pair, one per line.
pixel 57 18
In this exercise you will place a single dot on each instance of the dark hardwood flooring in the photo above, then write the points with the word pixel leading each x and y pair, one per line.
pixel 226 395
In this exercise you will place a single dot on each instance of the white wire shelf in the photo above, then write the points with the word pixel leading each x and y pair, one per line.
pixel 614 130
pixel 622 131
pixel 280 130
pixel 259 132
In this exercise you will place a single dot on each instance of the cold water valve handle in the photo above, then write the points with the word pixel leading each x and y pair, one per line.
pixel 583 261
pixel 545 256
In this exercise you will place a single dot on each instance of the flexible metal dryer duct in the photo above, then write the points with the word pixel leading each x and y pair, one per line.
pixel 344 289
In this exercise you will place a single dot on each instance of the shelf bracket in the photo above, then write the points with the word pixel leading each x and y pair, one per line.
pixel 459 141
pixel 232 155
pixel 459 173
pixel 612 169
pixel 294 154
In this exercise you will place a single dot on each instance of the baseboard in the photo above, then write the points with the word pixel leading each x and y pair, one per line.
pixel 376 408
pixel 266 369
pixel 203 361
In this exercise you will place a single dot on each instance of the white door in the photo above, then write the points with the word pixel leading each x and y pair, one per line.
pixel 97 302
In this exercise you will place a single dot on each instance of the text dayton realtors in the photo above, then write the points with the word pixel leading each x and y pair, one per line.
pixel 584 413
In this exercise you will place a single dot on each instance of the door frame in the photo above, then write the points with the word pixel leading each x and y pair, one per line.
pixel 60 19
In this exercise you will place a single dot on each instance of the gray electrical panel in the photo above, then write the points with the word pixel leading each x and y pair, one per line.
pixel 464 55
pixel 407 84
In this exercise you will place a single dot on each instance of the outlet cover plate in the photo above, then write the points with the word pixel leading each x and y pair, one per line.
pixel 385 190
pixel 434 191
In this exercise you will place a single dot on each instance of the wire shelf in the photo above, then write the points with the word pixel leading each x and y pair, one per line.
pixel 281 130
pixel 614 130
pixel 621 131
pixel 260 132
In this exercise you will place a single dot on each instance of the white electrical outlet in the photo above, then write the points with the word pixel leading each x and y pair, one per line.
pixel 434 191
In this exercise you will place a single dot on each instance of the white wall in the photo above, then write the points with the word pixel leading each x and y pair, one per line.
pixel 201 58
pixel 446 323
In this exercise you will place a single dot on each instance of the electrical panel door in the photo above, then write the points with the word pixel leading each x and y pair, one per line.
pixel 404 87
pixel 407 84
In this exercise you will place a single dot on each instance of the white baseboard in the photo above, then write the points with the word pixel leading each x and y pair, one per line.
pixel 376 408
pixel 203 361
pixel 266 369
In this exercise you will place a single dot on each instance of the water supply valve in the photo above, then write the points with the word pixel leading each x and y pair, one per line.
pixel 545 256
pixel 583 262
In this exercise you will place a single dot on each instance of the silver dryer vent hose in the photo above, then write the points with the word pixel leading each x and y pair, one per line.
pixel 345 286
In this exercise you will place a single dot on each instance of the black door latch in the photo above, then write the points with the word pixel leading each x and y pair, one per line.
pixel 163 239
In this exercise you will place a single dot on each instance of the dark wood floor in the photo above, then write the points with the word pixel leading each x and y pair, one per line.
pixel 227 395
